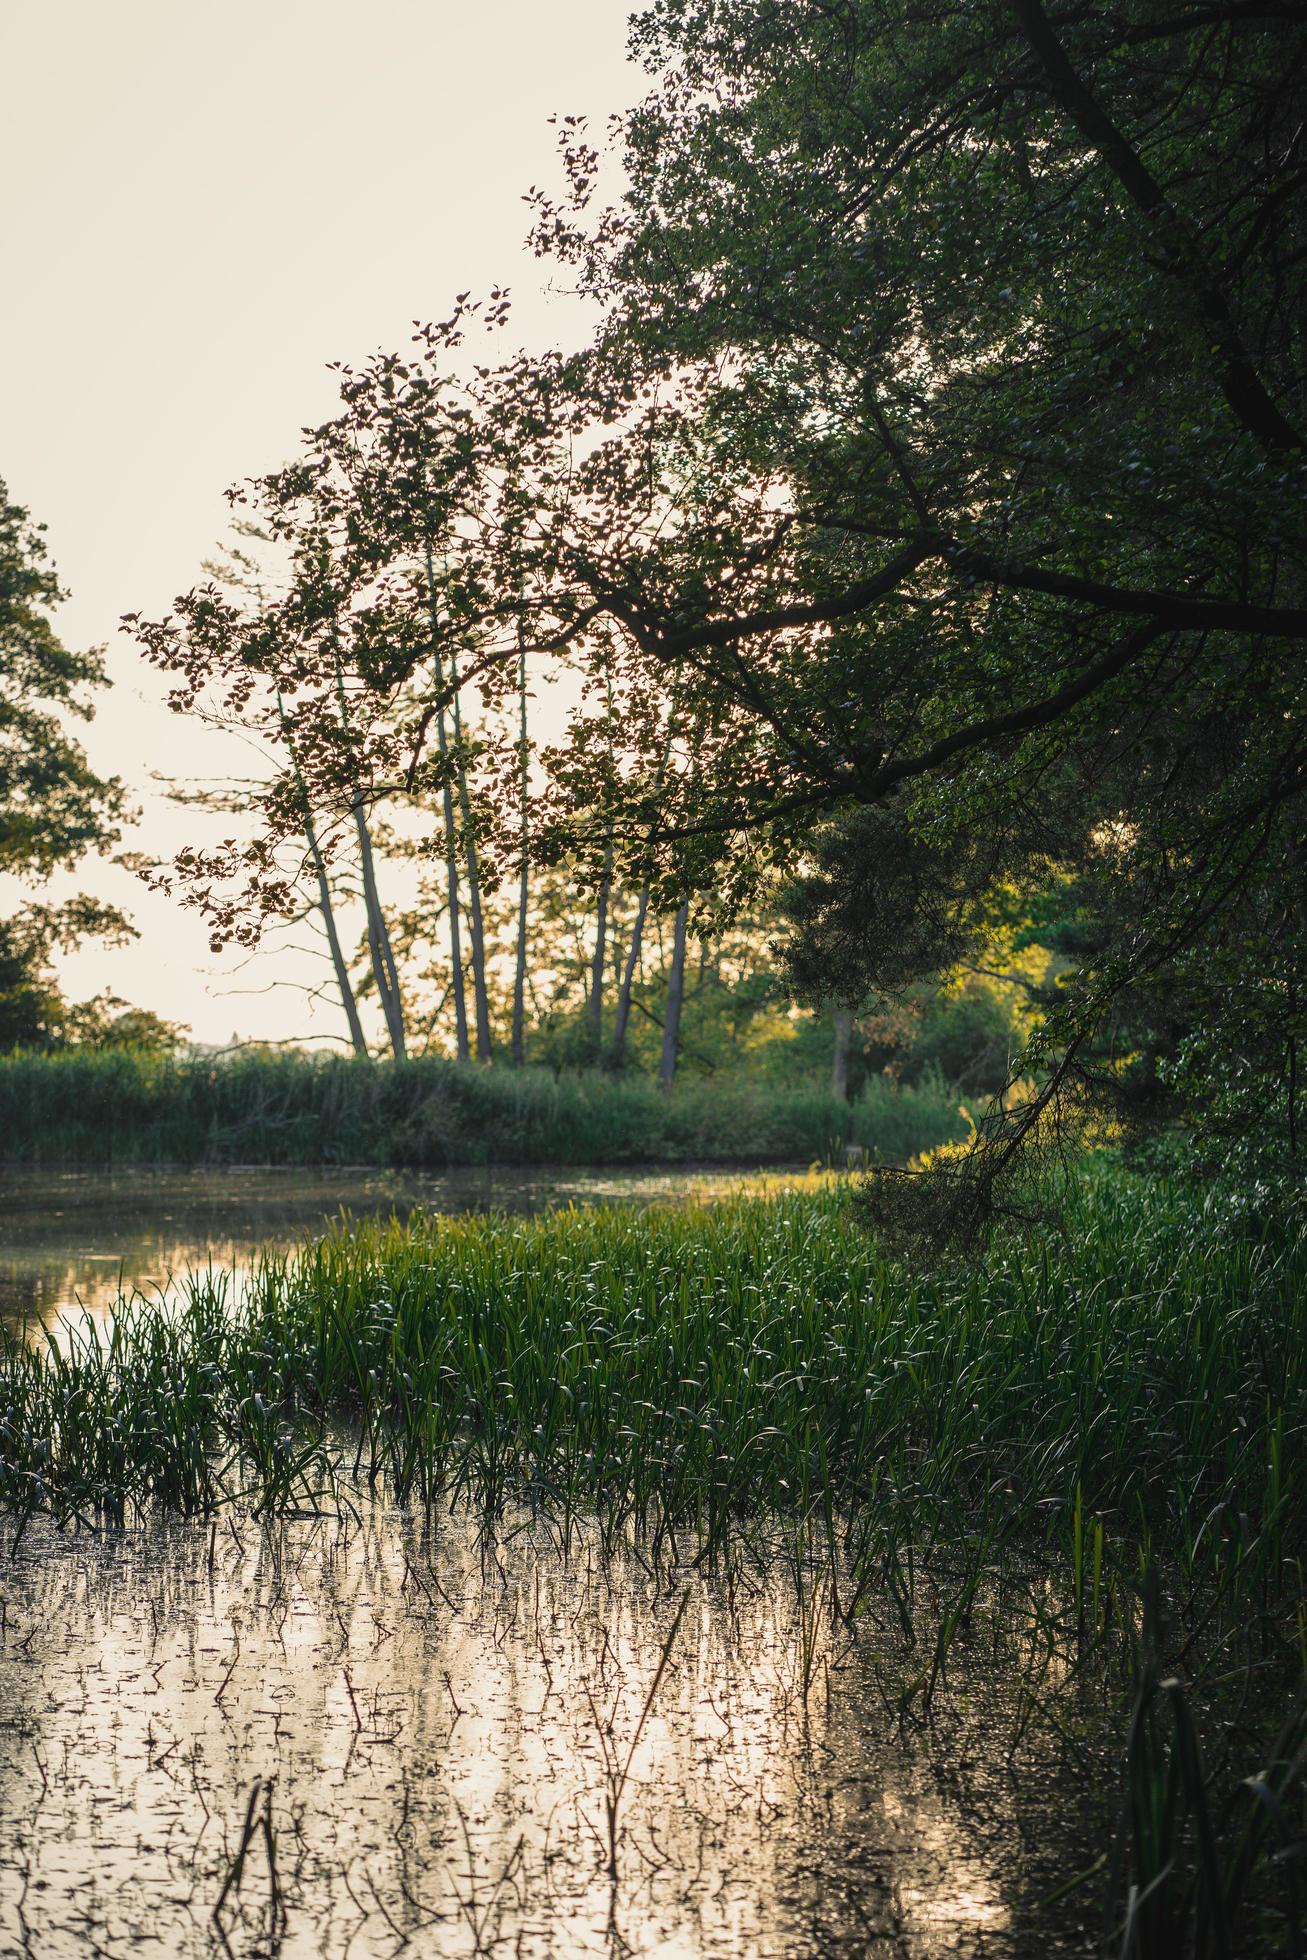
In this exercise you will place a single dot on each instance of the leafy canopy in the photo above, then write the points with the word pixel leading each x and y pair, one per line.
pixel 53 806
pixel 939 466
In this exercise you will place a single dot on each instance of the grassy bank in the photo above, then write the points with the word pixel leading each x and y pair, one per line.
pixel 122 1107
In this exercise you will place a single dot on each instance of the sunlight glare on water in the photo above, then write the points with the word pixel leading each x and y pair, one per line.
pixel 438 1720
pixel 71 1239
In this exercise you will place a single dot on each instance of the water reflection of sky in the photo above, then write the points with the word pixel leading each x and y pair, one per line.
pixel 77 1236
pixel 437 1720
pixel 437 1723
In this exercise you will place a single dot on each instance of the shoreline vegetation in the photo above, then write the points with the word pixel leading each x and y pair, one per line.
pixel 1096 1429
pixel 697 1363
pixel 105 1108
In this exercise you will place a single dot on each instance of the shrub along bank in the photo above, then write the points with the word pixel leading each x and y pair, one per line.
pixel 120 1107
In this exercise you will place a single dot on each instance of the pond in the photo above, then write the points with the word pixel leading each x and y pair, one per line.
pixel 470 1746
pixel 70 1238
pixel 435 1736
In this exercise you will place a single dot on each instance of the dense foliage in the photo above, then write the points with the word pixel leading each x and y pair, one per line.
pixel 927 515
pixel 53 807
pixel 981 334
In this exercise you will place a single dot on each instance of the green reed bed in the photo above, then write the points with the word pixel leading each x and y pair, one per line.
pixel 123 1107
pixel 1137 1382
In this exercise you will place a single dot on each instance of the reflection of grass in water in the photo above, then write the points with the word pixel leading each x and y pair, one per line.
pixel 249 1639
pixel 1130 1397
pixel 471 1802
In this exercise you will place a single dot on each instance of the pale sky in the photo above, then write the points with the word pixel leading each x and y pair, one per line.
pixel 207 203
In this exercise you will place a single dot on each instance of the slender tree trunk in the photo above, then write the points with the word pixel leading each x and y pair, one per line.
pixel 839 1068
pixel 383 958
pixel 676 977
pixel 457 981
pixel 344 984
pixel 523 876
pixel 326 905
pixel 595 1004
pixel 620 1024
pixel 379 947
pixel 479 994
pixel 675 999
pixel 603 899
pixel 623 1016
pixel 457 985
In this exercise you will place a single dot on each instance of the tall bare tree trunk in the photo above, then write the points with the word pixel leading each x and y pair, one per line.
pixel 675 999
pixel 379 947
pixel 617 1054
pixel 603 899
pixel 326 904
pixel 456 982
pixel 344 985
pixel 383 958
pixel 839 1068
pixel 480 996
pixel 595 1004
pixel 523 878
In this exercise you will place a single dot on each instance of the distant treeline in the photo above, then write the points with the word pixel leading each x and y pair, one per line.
pixel 119 1107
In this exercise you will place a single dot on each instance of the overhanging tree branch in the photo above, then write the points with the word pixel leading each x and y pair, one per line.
pixel 1017 721
pixel 1180 252
pixel 1174 611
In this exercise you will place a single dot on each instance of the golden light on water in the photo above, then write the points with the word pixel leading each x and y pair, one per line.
pixel 436 1716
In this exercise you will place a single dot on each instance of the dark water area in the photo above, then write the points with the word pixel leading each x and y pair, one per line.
pixel 70 1238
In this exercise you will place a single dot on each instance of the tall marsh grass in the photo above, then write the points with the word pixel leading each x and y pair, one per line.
pixel 123 1106
pixel 1137 1383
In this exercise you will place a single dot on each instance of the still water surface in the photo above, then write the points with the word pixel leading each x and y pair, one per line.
pixel 437 1722
pixel 77 1237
